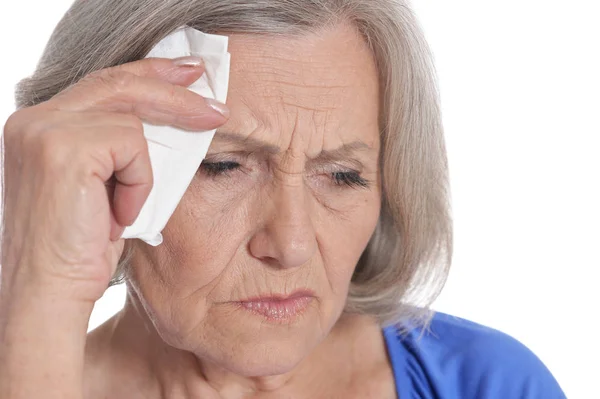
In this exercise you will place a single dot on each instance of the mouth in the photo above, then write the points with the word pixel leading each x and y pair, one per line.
pixel 278 308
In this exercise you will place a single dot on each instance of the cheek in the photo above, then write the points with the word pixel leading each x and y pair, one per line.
pixel 178 280
pixel 201 238
pixel 205 233
pixel 343 236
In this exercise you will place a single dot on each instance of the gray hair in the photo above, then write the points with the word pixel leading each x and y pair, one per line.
pixel 406 262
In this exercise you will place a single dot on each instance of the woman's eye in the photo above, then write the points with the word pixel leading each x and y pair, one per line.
pixel 350 179
pixel 218 168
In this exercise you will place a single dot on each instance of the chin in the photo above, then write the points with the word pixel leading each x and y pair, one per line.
pixel 265 360
pixel 253 346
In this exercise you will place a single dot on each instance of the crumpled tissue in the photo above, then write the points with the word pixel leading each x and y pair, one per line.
pixel 176 154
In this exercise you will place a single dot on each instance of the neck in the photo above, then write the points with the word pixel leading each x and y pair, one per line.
pixel 137 353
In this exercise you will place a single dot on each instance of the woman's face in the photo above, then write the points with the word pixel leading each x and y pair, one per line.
pixel 257 259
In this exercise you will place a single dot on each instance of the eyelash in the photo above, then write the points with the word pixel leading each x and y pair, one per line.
pixel 214 169
pixel 349 178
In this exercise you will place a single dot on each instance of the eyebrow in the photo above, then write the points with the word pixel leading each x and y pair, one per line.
pixel 250 143
pixel 255 145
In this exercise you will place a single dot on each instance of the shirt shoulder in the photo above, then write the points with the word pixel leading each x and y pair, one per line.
pixel 457 358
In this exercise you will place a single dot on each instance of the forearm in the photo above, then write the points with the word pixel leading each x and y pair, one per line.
pixel 42 341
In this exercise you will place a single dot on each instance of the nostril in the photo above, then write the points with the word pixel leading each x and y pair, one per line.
pixel 271 262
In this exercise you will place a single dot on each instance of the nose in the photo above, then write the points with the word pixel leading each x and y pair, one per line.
pixel 287 237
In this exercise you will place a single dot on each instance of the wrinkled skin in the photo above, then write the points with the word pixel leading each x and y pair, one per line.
pixel 286 200
pixel 279 222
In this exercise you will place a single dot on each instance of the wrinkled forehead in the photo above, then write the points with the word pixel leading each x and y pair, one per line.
pixel 319 86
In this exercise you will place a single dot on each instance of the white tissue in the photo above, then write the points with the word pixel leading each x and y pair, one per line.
pixel 176 154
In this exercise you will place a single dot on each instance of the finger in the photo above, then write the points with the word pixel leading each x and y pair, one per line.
pixel 181 71
pixel 79 122
pixel 143 90
pixel 134 179
pixel 122 162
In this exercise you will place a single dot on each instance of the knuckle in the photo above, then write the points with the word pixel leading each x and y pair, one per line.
pixel 114 79
pixel 22 128
pixel 13 141
pixel 133 122
pixel 131 140
pixel 20 120
pixel 90 78
pixel 87 80
pixel 13 123
pixel 141 149
pixel 139 142
pixel 173 95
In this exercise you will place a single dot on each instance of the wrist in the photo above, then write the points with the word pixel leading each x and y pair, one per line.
pixel 42 342
pixel 48 279
pixel 45 301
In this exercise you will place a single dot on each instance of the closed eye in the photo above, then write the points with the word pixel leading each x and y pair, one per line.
pixel 346 178
pixel 214 169
pixel 350 179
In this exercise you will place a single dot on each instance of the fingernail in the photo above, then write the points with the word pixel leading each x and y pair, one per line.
pixel 218 106
pixel 189 61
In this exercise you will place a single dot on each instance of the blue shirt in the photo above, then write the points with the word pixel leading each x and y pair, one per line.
pixel 456 358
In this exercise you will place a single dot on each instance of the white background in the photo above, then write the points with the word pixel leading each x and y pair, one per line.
pixel 520 89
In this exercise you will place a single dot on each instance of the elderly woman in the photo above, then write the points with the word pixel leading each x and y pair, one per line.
pixel 302 258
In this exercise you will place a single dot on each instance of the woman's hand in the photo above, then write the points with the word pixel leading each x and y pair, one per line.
pixel 77 171
pixel 61 226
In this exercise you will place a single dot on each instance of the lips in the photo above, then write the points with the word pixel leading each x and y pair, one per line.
pixel 279 308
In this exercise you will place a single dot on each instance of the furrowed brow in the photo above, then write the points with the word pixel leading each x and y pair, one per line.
pixel 341 153
pixel 250 144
